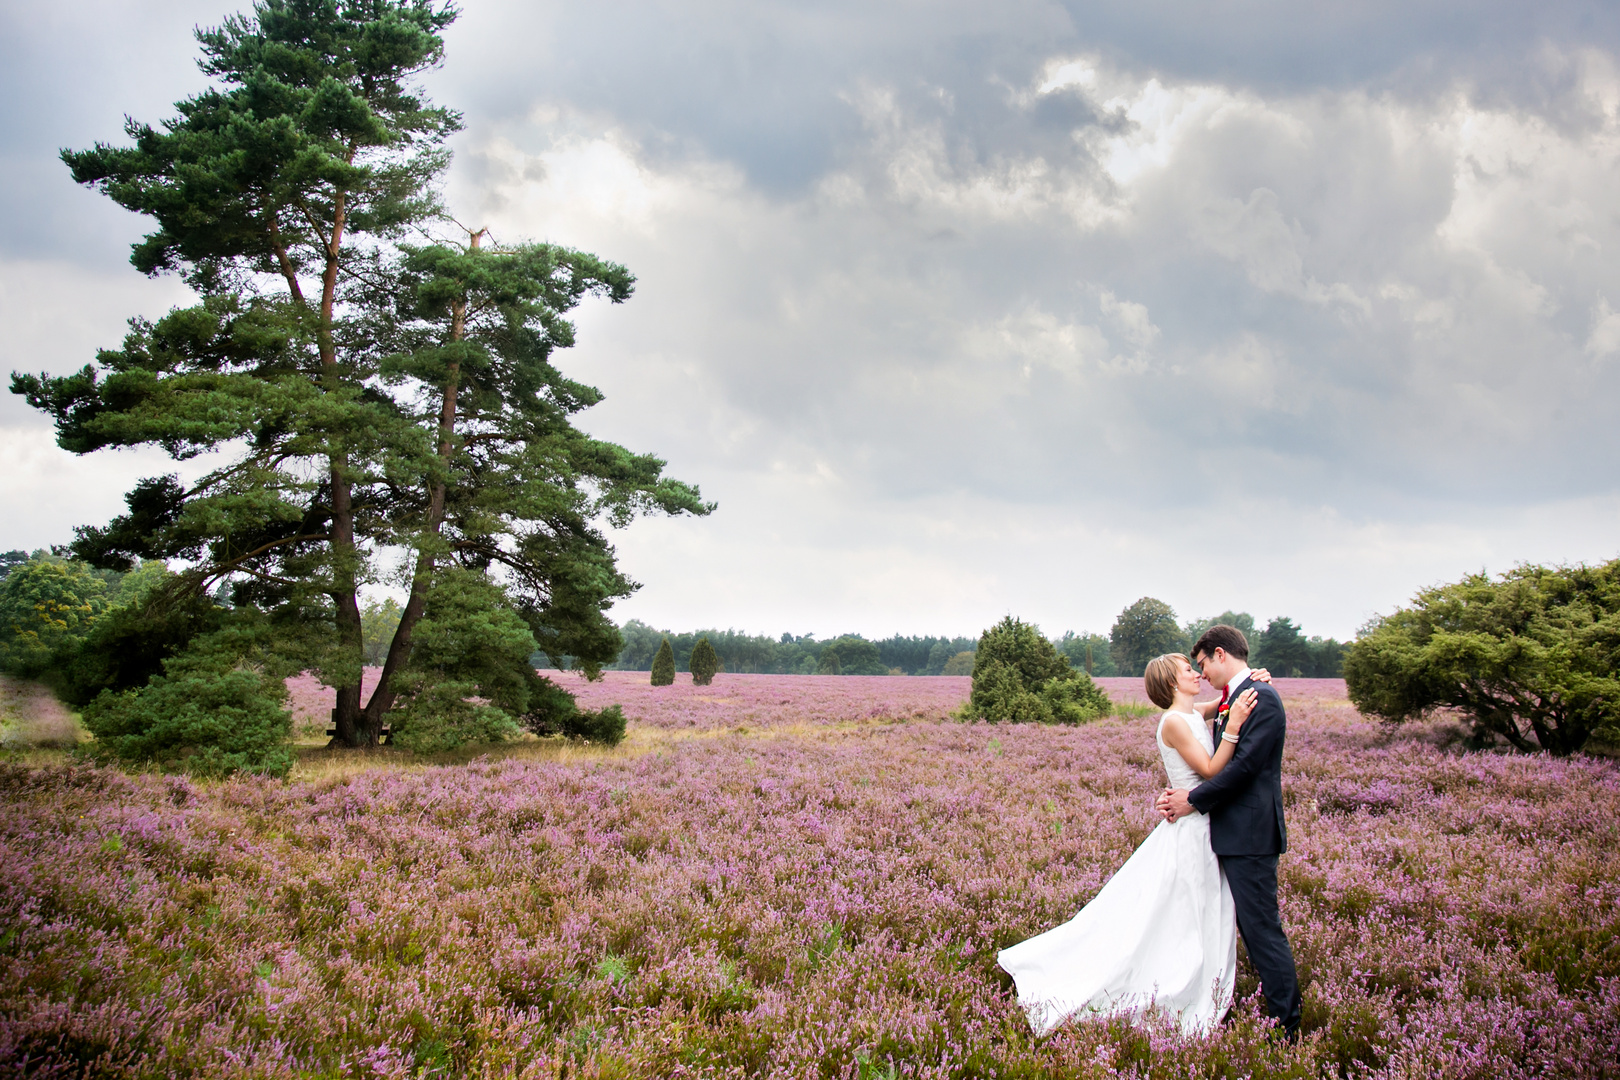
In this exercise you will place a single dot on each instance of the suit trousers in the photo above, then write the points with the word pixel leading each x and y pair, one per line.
pixel 1253 881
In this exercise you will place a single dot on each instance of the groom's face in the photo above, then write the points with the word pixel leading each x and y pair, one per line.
pixel 1218 667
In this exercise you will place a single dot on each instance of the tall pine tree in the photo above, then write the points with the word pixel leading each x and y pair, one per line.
pixel 368 395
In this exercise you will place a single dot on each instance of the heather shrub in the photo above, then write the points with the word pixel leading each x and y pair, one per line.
pixel 663 665
pixel 1530 658
pixel 704 662
pixel 823 903
pixel 1019 676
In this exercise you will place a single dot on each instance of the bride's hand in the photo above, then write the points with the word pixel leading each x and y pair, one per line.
pixel 1260 675
pixel 1241 708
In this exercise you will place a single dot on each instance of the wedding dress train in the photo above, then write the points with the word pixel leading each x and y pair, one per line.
pixel 1161 934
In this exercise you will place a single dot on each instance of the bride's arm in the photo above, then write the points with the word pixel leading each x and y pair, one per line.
pixel 1180 738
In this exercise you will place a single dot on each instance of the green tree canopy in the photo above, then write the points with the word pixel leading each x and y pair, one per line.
pixel 1531 657
pixel 1282 649
pixel 1242 620
pixel 1019 676
pixel 1091 653
pixel 46 604
pixel 1146 629
pixel 378 622
pixel 855 655
pixel 10 560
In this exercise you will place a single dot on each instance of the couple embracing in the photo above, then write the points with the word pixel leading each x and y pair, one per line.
pixel 1160 936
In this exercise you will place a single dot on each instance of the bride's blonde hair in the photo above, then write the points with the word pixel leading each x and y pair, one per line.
pixel 1160 678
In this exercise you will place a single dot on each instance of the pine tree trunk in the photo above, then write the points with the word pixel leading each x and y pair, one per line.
pixel 399 650
pixel 354 727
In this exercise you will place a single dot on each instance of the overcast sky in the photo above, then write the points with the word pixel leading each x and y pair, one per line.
pixel 968 309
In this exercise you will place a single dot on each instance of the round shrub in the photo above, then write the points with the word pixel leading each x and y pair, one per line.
pixel 1020 677
pixel 205 715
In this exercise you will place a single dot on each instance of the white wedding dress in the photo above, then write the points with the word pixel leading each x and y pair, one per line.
pixel 1161 935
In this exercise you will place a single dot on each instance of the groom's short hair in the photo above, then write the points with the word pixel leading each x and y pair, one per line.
pixel 1221 636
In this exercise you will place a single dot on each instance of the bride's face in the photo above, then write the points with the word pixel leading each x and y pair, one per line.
pixel 1186 678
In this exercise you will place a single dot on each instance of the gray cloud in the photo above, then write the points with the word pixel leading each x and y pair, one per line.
pixel 957 309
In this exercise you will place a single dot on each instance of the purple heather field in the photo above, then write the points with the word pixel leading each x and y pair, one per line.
pixel 789 877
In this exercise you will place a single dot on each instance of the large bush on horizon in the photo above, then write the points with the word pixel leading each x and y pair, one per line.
pixel 1530 657
pixel 1019 676
pixel 370 394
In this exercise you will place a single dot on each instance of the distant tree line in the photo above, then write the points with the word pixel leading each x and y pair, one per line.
pixel 795 654
pixel 1145 629
pixel 1149 628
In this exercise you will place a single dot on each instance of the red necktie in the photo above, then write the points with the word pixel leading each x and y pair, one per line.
pixel 1222 705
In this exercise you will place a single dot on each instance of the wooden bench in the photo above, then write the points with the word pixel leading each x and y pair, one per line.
pixel 384 737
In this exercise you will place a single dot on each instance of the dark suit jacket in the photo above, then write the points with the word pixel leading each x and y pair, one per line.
pixel 1244 800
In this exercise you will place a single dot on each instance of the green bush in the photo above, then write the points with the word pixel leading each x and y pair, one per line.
pixel 438 716
pixel 470 643
pixel 208 713
pixel 704 662
pixel 960 664
pixel 553 712
pixel 1530 658
pixel 663 665
pixel 602 726
pixel 1019 676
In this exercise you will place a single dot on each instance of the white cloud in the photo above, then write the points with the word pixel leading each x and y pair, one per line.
pixel 946 329
pixel 1605 337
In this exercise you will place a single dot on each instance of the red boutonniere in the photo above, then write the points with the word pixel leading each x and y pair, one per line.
pixel 1224 714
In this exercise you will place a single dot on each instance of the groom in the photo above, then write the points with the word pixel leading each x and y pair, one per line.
pixel 1244 804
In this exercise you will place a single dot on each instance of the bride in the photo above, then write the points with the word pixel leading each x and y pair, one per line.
pixel 1161 935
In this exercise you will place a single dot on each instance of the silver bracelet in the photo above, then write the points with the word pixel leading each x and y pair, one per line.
pixel 1227 736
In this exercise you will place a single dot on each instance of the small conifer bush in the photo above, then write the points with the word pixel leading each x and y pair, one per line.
pixel 663 665
pixel 1019 676
pixel 704 663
